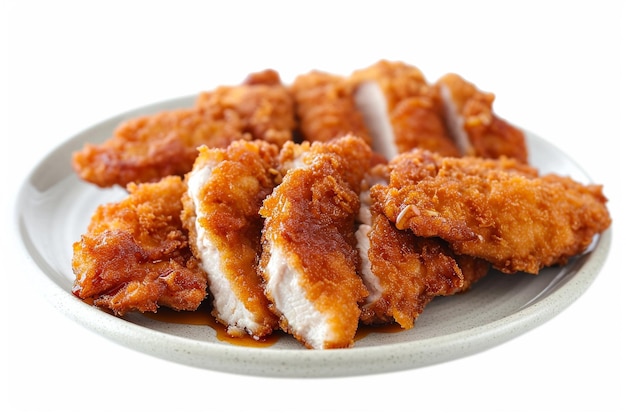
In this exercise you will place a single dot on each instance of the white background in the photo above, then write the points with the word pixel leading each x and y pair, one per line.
pixel 557 69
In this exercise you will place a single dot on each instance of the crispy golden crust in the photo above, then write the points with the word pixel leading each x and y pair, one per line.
pixel 311 216
pixel 497 210
pixel 489 136
pixel 325 107
pixel 418 122
pixel 263 104
pixel 355 157
pixel 415 108
pixel 135 254
pixel 397 80
pixel 150 147
pixel 242 175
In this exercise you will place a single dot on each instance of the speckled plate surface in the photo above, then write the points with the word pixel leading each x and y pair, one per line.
pixel 54 207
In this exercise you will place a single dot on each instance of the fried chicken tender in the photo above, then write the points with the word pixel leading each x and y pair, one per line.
pixel 498 210
pixel 401 271
pixel 401 110
pixel 325 107
pixel 147 148
pixel 309 261
pixel 135 255
pixel 264 105
pixel 475 127
pixel 221 211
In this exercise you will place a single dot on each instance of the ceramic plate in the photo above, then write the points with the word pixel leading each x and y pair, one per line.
pixel 54 207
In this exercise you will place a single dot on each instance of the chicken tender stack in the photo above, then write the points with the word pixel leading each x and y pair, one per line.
pixel 400 191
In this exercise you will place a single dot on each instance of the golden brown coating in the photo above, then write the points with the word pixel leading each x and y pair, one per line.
pixel 135 255
pixel 226 189
pixel 411 271
pixel 355 158
pixel 309 260
pixel 325 107
pixel 414 108
pixel 481 132
pixel 263 104
pixel 150 147
pixel 497 210
pixel 147 148
pixel 396 79
pixel 418 122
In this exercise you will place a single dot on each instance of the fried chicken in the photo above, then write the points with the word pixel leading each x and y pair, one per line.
pixel 147 148
pixel 264 105
pixel 309 259
pixel 401 110
pixel 135 255
pixel 473 124
pixel 221 211
pixel 400 191
pixel 498 210
pixel 403 272
pixel 325 107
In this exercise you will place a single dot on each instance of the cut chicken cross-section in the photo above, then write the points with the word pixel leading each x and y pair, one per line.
pixel 309 259
pixel 221 210
pixel 401 110
pixel 476 129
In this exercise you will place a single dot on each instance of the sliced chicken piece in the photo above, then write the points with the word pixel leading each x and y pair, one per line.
pixel 221 211
pixel 325 107
pixel 377 175
pixel 473 124
pixel 401 110
pixel 402 272
pixel 309 259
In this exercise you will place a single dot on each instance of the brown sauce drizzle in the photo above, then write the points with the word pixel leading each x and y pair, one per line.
pixel 364 331
pixel 202 317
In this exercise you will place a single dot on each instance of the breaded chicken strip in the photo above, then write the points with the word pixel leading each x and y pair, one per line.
pixel 135 254
pixel 150 147
pixel 403 272
pixel 473 124
pixel 309 259
pixel 147 148
pixel 263 104
pixel 401 110
pixel 497 210
pixel 325 107
pixel 221 211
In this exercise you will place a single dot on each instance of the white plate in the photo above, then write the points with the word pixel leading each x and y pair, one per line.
pixel 54 208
